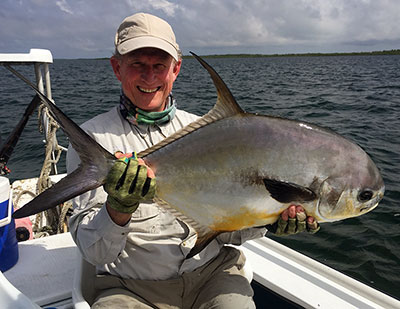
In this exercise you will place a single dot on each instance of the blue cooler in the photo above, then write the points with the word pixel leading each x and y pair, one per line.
pixel 8 239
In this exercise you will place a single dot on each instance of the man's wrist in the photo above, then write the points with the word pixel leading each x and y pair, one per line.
pixel 119 218
pixel 128 209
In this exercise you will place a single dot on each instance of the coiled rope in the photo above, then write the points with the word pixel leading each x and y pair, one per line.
pixel 55 218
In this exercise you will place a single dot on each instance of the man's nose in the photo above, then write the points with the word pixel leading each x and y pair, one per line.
pixel 148 73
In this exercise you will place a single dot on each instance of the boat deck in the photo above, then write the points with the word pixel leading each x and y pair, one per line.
pixel 46 268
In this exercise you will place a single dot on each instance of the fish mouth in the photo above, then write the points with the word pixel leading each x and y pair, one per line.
pixel 148 90
pixel 368 208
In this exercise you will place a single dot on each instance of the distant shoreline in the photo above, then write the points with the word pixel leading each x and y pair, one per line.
pixel 373 53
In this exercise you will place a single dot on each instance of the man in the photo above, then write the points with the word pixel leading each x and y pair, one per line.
pixel 140 250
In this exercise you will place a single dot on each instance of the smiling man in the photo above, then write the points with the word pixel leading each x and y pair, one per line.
pixel 140 250
pixel 147 76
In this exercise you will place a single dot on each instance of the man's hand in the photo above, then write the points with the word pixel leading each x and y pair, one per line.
pixel 128 183
pixel 292 221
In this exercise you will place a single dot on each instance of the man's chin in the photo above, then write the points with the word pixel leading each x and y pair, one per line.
pixel 151 107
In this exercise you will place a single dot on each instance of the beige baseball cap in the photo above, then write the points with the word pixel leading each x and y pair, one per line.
pixel 144 30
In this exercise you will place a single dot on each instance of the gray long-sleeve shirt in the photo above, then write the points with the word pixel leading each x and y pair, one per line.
pixel 154 244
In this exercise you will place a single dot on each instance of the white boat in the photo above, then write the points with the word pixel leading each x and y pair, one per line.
pixel 48 271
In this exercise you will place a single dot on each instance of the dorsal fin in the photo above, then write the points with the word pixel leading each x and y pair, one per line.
pixel 225 107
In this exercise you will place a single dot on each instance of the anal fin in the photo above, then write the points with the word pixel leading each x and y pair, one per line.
pixel 202 241
pixel 204 234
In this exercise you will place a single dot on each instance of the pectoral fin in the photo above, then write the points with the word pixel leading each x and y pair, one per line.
pixel 286 192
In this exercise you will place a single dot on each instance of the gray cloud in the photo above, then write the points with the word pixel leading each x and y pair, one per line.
pixel 77 28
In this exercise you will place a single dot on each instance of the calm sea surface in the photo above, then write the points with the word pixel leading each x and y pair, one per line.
pixel 356 96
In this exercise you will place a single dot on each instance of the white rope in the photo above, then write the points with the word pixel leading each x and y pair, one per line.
pixel 55 217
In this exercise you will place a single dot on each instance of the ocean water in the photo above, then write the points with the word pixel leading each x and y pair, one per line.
pixel 356 96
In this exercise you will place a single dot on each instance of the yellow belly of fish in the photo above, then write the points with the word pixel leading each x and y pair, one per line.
pixel 244 218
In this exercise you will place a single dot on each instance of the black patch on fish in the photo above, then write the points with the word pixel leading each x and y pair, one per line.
pixel 286 192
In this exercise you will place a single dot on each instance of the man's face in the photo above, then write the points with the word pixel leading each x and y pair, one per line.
pixel 147 76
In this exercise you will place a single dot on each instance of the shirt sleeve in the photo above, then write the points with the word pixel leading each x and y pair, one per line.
pixel 98 238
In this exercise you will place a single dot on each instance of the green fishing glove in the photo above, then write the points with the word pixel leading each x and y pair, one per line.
pixel 128 183
pixel 294 225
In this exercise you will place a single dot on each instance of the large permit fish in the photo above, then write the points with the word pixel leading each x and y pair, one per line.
pixel 232 170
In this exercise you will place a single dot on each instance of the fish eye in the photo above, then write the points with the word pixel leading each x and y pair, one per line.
pixel 365 195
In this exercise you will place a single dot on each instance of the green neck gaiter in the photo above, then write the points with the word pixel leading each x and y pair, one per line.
pixel 136 115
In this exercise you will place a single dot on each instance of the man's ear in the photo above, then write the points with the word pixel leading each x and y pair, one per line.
pixel 177 67
pixel 116 65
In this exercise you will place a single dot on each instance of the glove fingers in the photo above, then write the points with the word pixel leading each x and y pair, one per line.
pixel 313 227
pixel 281 226
pixel 128 175
pixel 301 222
pixel 293 220
pixel 134 180
pixel 137 183
pixel 149 188
pixel 147 177
pixel 128 183
pixel 116 176
pixel 291 229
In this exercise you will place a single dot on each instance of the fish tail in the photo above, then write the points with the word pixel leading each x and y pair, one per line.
pixel 91 173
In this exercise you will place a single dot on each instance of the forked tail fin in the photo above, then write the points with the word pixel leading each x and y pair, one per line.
pixel 91 173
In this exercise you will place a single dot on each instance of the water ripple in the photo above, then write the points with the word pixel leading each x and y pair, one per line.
pixel 358 97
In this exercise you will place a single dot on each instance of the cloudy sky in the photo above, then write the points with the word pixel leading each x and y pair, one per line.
pixel 86 28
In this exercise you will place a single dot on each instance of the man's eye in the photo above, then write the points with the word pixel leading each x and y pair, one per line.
pixel 159 67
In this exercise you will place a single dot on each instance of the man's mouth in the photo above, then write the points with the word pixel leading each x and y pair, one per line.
pixel 148 90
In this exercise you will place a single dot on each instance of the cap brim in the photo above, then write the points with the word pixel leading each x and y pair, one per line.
pixel 147 41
